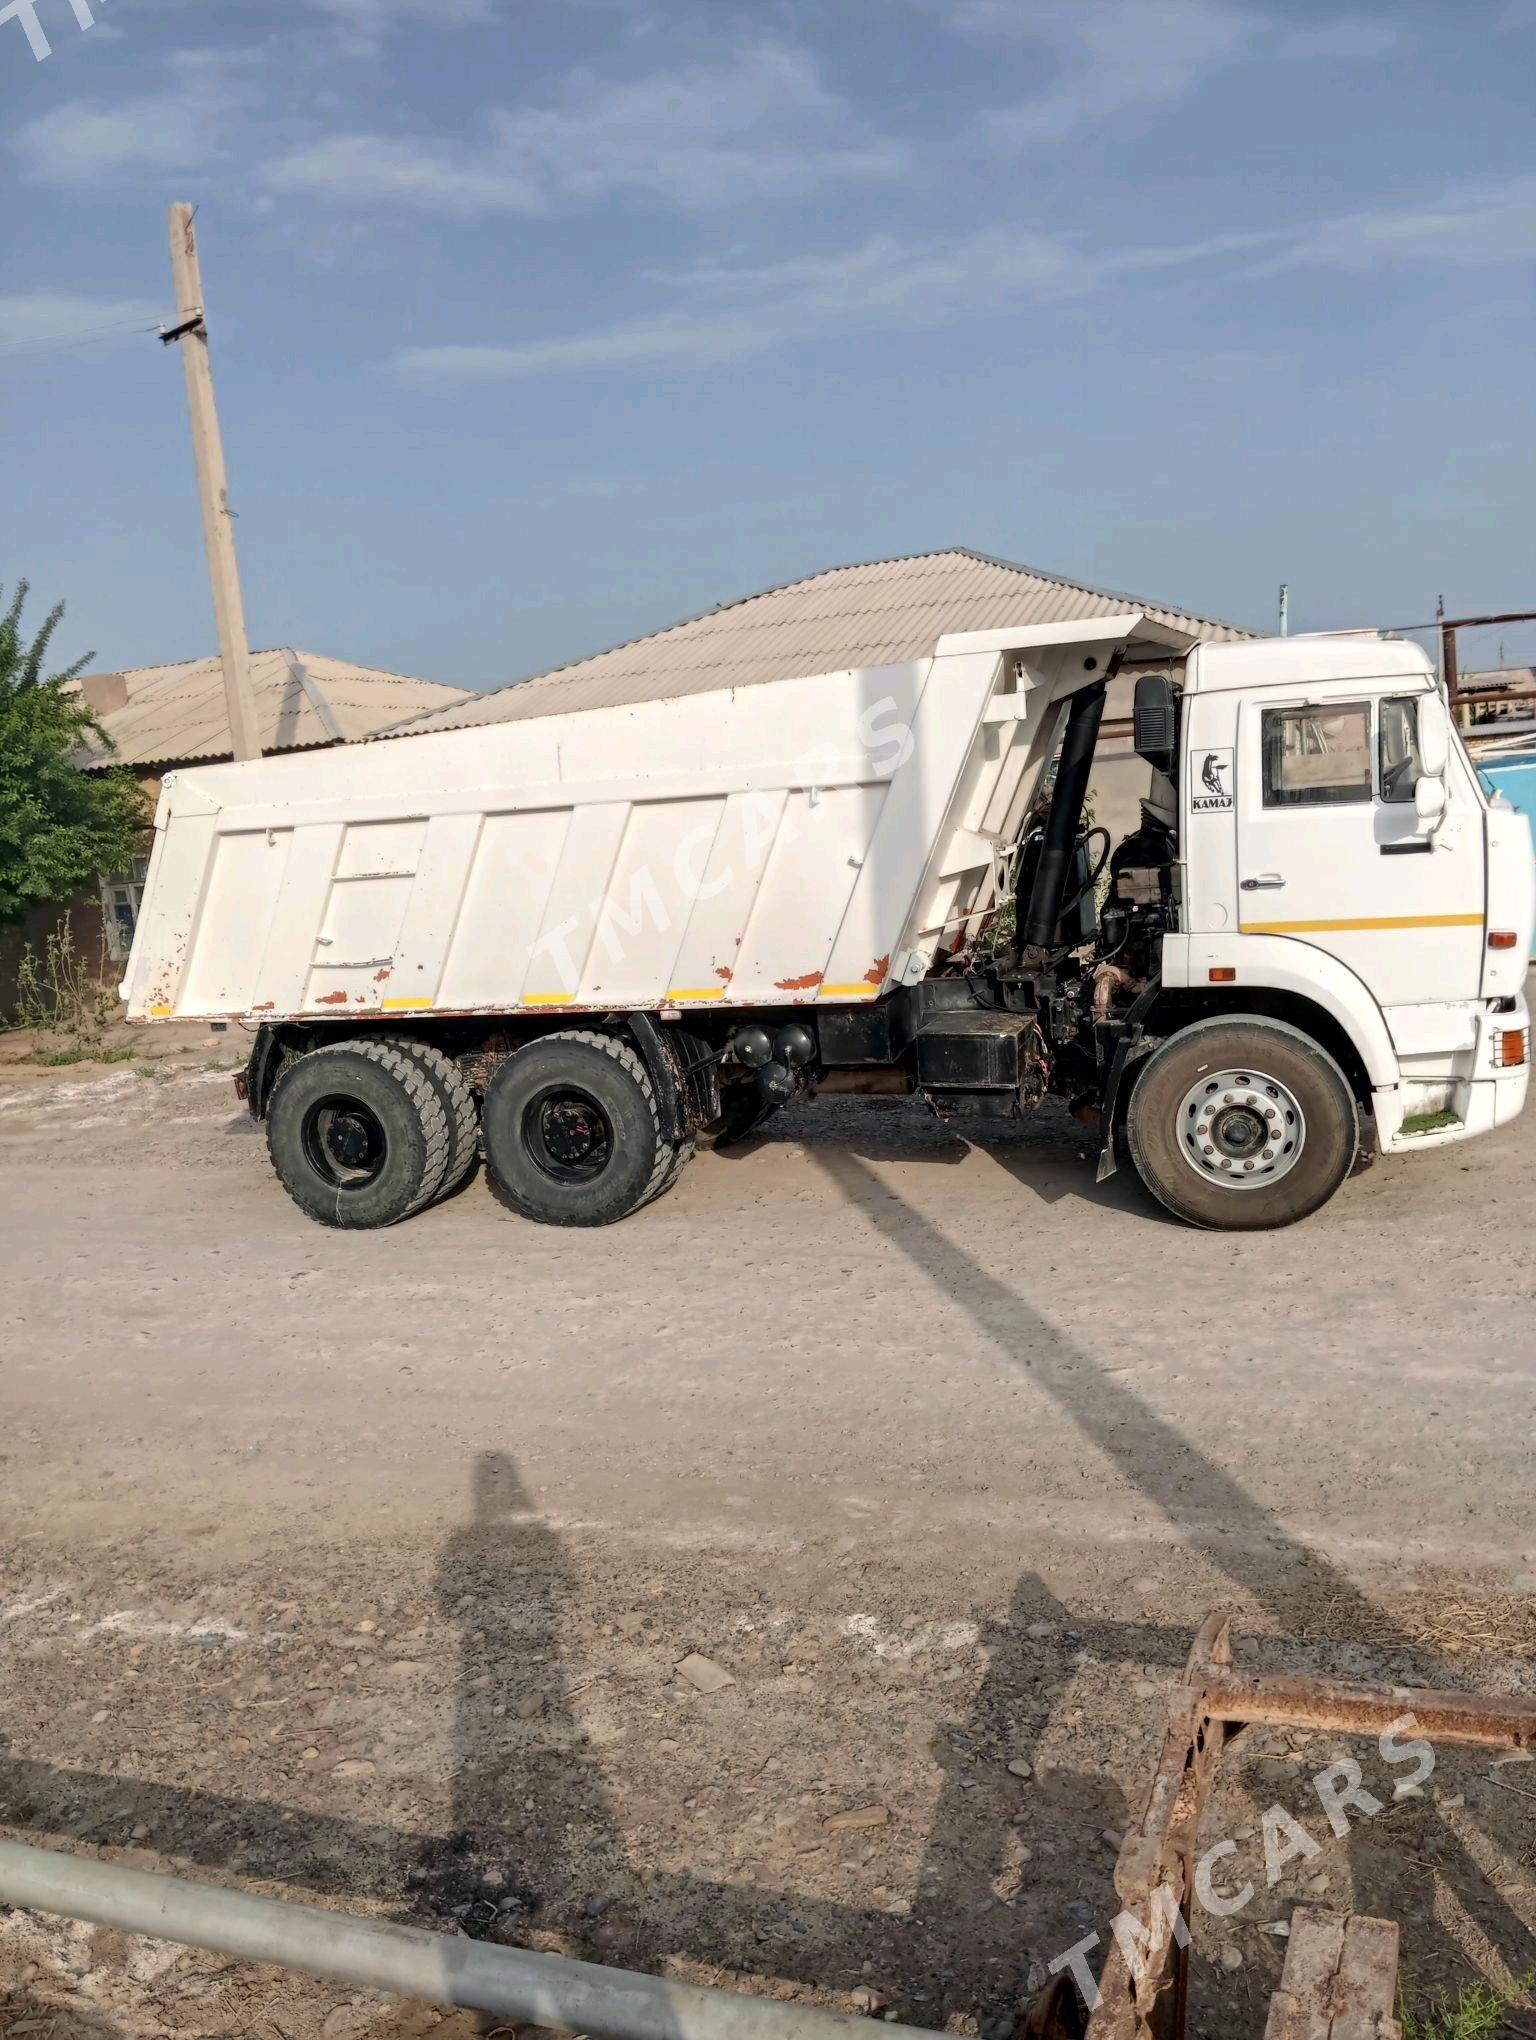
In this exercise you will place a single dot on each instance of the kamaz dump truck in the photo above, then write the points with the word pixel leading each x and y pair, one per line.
pixel 582 943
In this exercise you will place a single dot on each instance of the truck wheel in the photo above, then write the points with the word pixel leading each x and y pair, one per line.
pixel 358 1134
pixel 572 1132
pixel 458 1101
pixel 1242 1124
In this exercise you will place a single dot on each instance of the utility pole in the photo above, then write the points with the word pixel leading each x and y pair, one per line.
pixel 191 332
pixel 1285 609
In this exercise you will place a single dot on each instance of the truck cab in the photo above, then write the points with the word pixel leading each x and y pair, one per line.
pixel 1336 868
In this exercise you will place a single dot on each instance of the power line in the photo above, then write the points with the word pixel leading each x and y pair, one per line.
pixel 51 347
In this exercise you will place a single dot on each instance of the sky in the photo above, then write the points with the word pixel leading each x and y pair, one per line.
pixel 538 324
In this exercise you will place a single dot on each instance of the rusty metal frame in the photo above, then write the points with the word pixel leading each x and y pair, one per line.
pixel 1212 1704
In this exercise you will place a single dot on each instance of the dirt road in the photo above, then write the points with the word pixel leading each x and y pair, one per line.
pixel 360 1565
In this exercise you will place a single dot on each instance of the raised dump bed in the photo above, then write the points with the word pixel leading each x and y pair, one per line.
pixel 802 841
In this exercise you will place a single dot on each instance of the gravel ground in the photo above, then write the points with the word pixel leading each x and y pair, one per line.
pixel 358 1568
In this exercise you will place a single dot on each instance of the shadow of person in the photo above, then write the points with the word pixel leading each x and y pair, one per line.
pixel 534 1849
pixel 530 1827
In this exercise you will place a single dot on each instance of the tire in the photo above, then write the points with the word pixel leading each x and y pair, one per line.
pixel 1242 1124
pixel 572 1132
pixel 358 1134
pixel 458 1102
pixel 682 1155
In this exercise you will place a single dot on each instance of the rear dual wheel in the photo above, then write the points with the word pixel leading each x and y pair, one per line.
pixel 1241 1125
pixel 364 1133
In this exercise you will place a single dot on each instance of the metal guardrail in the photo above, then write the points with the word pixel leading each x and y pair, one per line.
pixel 515 1984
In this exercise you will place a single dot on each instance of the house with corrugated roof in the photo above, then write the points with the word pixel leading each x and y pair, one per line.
pixel 878 613
pixel 154 719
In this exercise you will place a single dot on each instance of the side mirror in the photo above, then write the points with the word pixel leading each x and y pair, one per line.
pixel 1434 736
pixel 1155 723
pixel 1428 798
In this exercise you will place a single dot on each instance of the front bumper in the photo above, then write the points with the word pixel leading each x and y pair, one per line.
pixel 1469 1093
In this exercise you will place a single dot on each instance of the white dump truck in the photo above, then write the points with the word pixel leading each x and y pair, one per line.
pixel 583 942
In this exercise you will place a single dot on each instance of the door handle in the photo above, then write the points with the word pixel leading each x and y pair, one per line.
pixel 1267 881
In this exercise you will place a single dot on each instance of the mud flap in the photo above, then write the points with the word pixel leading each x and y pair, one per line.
pixel 1114 1082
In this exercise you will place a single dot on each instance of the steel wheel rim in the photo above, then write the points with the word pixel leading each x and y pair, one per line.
pixel 344 1142
pixel 567 1135
pixel 1241 1128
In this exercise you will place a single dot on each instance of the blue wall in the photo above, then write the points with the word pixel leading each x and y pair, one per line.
pixel 1515 778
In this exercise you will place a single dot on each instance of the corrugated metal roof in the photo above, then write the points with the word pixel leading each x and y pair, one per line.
pixel 174 713
pixel 877 614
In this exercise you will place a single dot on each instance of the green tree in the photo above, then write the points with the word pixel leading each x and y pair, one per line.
pixel 59 827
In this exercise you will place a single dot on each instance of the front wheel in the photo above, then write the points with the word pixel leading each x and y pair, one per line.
pixel 1241 1125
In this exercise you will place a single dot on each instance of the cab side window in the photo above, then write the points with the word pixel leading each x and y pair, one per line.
pixel 1398 747
pixel 1317 757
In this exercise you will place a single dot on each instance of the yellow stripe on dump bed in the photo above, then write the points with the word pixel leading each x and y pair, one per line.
pixel 679 994
pixel 861 990
pixel 549 998
pixel 405 1005
pixel 1385 923
pixel 160 1012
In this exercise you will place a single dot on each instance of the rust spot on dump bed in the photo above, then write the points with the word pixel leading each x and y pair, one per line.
pixel 723 972
pixel 380 975
pixel 266 1006
pixel 332 999
pixel 799 984
pixel 875 975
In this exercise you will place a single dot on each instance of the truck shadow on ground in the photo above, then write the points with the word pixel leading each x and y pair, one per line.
pixel 1049 1155
pixel 1286 1581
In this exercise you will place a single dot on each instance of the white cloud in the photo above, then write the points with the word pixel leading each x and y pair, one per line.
pixel 1477 226
pixel 364 24
pixel 387 170
pixel 1231 365
pixel 1347 39
pixel 39 321
pixel 385 13
pixel 187 123
pixel 1108 56
pixel 757 123
pixel 367 22
pixel 740 310
pixel 723 312
pixel 1105 58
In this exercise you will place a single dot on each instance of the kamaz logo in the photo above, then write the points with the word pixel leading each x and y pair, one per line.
pixel 1212 793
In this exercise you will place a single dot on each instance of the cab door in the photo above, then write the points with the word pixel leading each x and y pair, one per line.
pixel 1331 850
